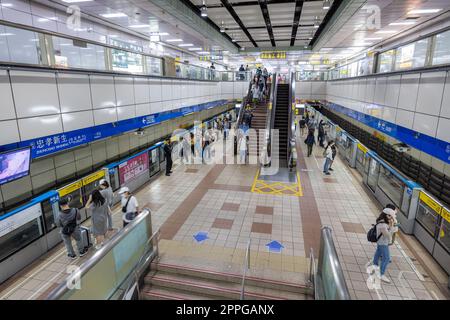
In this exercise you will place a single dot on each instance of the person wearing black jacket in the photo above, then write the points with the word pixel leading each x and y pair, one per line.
pixel 334 151
pixel 321 134
pixel 168 154
pixel 310 141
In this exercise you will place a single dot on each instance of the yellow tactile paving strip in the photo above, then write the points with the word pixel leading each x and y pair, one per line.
pixel 277 187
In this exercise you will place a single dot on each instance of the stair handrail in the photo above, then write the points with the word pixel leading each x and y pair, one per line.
pixel 246 267
pixel 243 104
pixel 155 236
pixel 312 271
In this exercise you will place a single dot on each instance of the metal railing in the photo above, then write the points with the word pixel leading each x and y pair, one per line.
pixel 246 267
pixel 328 279
pixel 270 120
pixel 102 259
pixel 140 266
pixel 291 99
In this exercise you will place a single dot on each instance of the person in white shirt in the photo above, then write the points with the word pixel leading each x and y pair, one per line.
pixel 130 205
pixel 328 153
pixel 243 149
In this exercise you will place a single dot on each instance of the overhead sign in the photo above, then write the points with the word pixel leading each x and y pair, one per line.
pixel 362 148
pixel 430 202
pixel 273 55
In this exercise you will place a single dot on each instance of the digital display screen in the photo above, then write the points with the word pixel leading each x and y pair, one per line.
pixel 14 165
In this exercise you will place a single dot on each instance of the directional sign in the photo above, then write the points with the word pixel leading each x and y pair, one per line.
pixel 274 246
pixel 201 236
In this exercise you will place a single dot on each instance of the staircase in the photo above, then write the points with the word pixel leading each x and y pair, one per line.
pixel 258 122
pixel 172 282
pixel 281 123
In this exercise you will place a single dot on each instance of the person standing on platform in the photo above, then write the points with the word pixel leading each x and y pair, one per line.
pixel 99 213
pixel 310 141
pixel 242 149
pixel 384 227
pixel 393 215
pixel 225 129
pixel 334 152
pixel 69 220
pixel 130 205
pixel 302 124
pixel 321 134
pixel 328 154
pixel 168 155
pixel 108 194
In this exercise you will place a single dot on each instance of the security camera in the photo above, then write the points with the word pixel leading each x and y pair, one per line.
pixel 401 147
pixel 139 132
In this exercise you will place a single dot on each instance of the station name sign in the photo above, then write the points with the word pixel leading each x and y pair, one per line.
pixel 273 55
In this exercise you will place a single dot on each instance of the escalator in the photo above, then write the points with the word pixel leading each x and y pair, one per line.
pixel 281 123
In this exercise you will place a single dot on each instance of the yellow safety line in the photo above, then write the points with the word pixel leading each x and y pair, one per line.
pixel 294 188
pixel 255 180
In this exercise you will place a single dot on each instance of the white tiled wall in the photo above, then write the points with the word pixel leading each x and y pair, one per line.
pixel 418 101
pixel 39 103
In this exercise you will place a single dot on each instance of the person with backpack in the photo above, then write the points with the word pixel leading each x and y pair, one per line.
pixel 381 233
pixel 328 154
pixel 168 155
pixel 310 141
pixel 108 194
pixel 99 213
pixel 130 205
pixel 69 220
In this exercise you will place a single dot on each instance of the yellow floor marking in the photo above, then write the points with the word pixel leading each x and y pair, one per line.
pixel 277 187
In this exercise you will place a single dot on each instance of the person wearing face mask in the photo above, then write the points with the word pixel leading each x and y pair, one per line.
pixel 130 205
pixel 108 194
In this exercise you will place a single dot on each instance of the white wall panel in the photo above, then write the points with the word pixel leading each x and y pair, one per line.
pixel 392 91
pixel 77 120
pixel 103 94
pixel 380 90
pixel 35 93
pixel 155 90
pixel 102 116
pixel 126 112
pixel 142 109
pixel 389 114
pixel 443 131
pixel 7 105
pixel 74 92
pixel 408 91
pixel 431 89
pixel 17 16
pixel 40 126
pixel 141 90
pixel 124 91
pixel 405 118
pixel 9 132
pixel 166 90
pixel 425 124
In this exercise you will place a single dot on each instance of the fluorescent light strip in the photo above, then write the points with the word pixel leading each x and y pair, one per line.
pixel 195 49
pixel 403 23
pixel 186 45
pixel 174 40
pixel 420 11
pixel 113 15
pixel 137 26
pixel 386 31
pixel 75 1
pixel 203 52
pixel 373 39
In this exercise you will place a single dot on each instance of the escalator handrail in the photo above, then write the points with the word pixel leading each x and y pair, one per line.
pixel 271 113
pixel 291 100
pixel 243 104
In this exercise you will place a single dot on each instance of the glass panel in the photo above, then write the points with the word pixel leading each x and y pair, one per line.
pixel 76 200
pixel 126 61
pixel 47 212
pixel 373 174
pixel 427 216
pixel 20 237
pixel 441 54
pixel 162 157
pixel 154 162
pixel 385 61
pixel 391 185
pixel 444 234
pixel 4 53
pixel 412 55
pixel 23 45
pixel 154 66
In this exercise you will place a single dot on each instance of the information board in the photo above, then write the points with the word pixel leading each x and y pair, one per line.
pixel 131 169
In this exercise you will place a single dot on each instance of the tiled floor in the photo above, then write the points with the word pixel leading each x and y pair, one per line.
pixel 217 199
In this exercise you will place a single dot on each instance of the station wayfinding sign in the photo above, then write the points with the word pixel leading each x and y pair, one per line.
pixel 273 55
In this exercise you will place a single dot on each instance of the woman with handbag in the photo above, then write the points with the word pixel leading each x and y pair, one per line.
pixel 99 213
pixel 130 205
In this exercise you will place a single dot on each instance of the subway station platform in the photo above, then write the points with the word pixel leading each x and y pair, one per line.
pixel 207 214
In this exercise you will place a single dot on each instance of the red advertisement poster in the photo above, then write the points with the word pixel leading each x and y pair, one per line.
pixel 133 168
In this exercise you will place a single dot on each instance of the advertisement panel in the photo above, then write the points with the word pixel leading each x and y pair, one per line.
pixel 131 169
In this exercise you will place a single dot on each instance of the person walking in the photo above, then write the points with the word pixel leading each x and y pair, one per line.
pixel 328 154
pixel 302 124
pixel 108 194
pixel 130 205
pixel 168 155
pixel 99 213
pixel 384 227
pixel 243 149
pixel 310 141
pixel 69 220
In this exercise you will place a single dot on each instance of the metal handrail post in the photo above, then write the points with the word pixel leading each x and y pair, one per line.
pixel 246 266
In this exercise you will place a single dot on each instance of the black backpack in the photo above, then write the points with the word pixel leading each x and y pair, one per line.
pixel 372 234
pixel 69 228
